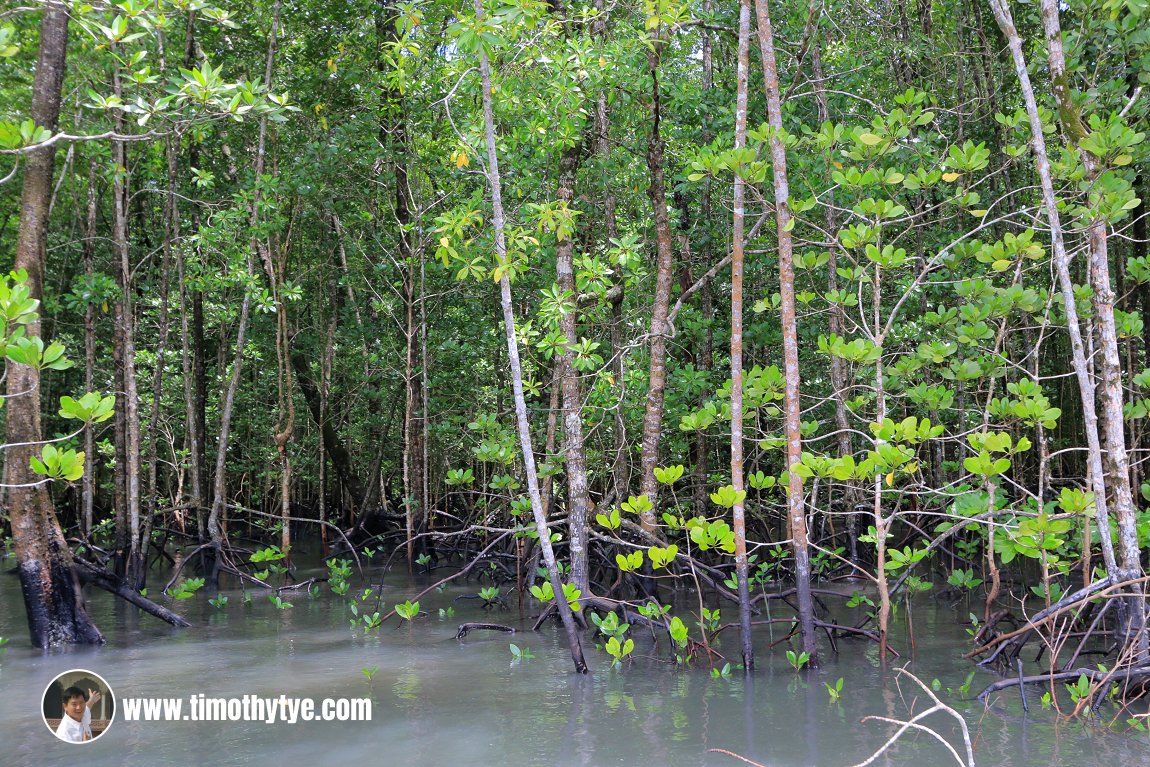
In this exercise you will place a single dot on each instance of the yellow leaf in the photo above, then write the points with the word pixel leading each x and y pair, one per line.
pixel 890 479
pixel 602 62
pixel 462 160
pixel 839 165
pixel 949 177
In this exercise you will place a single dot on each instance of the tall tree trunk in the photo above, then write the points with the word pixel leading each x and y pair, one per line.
pixel 129 403
pixel 1115 457
pixel 837 316
pixel 192 344
pixel 664 277
pixel 393 136
pixel 704 360
pixel 220 483
pixel 52 598
pixel 88 486
pixel 497 220
pixel 578 500
pixel 737 235
pixel 1062 268
pixel 796 506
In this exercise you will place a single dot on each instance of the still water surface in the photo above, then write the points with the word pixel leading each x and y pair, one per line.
pixel 441 701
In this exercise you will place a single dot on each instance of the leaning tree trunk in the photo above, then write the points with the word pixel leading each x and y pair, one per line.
pixel 1079 361
pixel 56 614
pixel 497 220
pixel 796 506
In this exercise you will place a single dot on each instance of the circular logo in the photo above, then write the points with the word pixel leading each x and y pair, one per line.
pixel 78 706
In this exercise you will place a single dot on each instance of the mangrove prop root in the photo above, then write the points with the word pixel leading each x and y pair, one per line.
pixel 1020 636
pixel 1093 674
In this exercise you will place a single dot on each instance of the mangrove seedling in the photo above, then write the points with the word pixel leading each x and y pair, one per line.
pixel 721 673
pixel 798 660
pixel 834 690
pixel 279 603
pixel 219 601
pixel 409 610
pixel 186 588
pixel 619 651
pixel 521 653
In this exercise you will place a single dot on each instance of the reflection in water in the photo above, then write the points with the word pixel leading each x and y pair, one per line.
pixel 438 701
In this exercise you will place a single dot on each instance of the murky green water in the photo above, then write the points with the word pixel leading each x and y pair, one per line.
pixel 438 701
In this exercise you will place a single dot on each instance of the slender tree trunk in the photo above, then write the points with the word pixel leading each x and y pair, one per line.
pixel 1113 427
pixel 664 277
pixel 541 527
pixel 620 462
pixel 192 344
pixel 737 235
pixel 837 318
pixel 704 360
pixel 796 506
pixel 1081 367
pixel 52 598
pixel 220 484
pixel 171 236
pixel 88 491
pixel 126 339
pixel 578 500
pixel 393 135
pixel 1115 456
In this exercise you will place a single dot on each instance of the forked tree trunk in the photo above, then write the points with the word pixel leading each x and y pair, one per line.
pixel 51 591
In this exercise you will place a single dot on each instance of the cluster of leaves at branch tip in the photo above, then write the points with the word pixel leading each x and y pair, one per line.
pixel 18 310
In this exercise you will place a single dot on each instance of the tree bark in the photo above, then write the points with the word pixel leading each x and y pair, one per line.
pixel 48 582
pixel 256 246
pixel 88 483
pixel 578 499
pixel 737 235
pixel 664 277
pixel 524 427
pixel 796 506
pixel 1079 361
